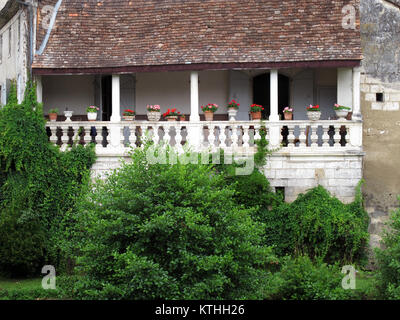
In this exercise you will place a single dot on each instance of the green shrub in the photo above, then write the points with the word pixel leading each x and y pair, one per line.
pixel 302 279
pixel 29 294
pixel 253 191
pixel 38 185
pixel 319 225
pixel 388 260
pixel 156 231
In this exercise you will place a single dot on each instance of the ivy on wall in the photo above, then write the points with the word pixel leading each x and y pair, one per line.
pixel 38 185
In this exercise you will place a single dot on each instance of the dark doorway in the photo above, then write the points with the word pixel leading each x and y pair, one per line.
pixel 261 93
pixel 106 96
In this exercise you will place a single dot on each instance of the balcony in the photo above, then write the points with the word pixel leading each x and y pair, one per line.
pixel 306 153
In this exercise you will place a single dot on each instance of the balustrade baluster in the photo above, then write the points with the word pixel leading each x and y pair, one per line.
pixel 53 137
pixel 99 136
pixel 246 137
pixel 337 137
pixel 211 136
pixel 167 136
pixel 87 138
pixel 257 129
pixel 178 137
pixel 291 137
pixel 325 135
pixel 64 138
pixel 302 136
pixel 347 136
pixel 314 135
pixel 235 137
pixel 222 136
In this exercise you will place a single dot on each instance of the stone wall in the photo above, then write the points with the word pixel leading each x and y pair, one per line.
pixel 339 173
pixel 380 106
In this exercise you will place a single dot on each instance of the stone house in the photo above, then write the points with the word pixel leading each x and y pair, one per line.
pixel 118 54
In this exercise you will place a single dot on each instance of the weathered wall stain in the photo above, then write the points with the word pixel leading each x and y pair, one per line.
pixel 380 38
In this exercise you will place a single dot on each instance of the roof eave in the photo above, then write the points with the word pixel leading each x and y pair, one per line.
pixel 8 11
pixel 200 67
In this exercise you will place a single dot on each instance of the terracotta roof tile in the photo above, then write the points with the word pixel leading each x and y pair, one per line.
pixel 122 33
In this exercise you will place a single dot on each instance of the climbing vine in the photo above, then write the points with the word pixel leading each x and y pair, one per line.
pixel 38 185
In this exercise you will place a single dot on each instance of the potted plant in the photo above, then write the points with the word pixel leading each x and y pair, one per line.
pixel 128 115
pixel 313 112
pixel 171 114
pixel 92 113
pixel 182 117
pixel 233 108
pixel 288 113
pixel 341 111
pixel 209 110
pixel 153 112
pixel 53 114
pixel 255 111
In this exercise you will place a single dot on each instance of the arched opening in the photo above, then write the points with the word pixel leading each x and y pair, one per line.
pixel 262 94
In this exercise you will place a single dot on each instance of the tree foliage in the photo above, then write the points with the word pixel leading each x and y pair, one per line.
pixel 156 231
pixel 38 184
pixel 319 225
pixel 388 260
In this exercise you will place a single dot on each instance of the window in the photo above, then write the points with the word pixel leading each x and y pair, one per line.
pixel 379 97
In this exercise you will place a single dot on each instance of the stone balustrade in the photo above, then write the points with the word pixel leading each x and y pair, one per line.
pixel 286 136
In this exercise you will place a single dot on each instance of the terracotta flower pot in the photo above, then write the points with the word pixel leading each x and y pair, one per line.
pixel 209 115
pixel 53 116
pixel 288 115
pixel 256 115
pixel 182 118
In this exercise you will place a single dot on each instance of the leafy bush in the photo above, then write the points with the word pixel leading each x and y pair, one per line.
pixel 38 185
pixel 167 231
pixel 302 279
pixel 253 190
pixel 388 260
pixel 319 225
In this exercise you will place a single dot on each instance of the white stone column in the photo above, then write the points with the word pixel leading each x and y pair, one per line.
pixel 356 94
pixel 274 115
pixel 116 100
pixel 39 89
pixel 194 129
pixel 274 129
pixel 194 96
pixel 344 87
pixel 115 128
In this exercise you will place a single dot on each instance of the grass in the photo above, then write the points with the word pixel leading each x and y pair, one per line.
pixel 365 285
pixel 25 289
pixel 20 284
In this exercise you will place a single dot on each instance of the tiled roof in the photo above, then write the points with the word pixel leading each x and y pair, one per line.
pixel 123 33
